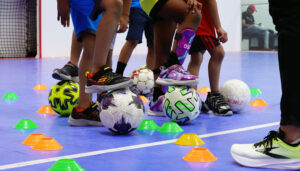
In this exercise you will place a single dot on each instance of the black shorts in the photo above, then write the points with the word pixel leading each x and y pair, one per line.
pixel 203 43
pixel 140 22
pixel 155 10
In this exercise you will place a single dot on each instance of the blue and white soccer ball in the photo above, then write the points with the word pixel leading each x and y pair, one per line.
pixel 181 104
pixel 121 111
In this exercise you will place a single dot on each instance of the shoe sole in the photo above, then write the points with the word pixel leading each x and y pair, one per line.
pixel 153 113
pixel 83 122
pixel 103 88
pixel 171 82
pixel 59 76
pixel 287 164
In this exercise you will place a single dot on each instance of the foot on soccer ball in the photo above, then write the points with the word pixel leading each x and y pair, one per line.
pixel 176 75
pixel 272 152
pixel 68 72
pixel 85 117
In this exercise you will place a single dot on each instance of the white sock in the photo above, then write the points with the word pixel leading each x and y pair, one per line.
pixel 297 141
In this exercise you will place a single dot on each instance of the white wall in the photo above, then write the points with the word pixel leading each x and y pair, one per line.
pixel 56 40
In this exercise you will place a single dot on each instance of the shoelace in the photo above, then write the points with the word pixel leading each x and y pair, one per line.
pixel 268 140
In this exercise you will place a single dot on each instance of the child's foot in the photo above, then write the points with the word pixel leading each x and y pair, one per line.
pixel 155 108
pixel 68 72
pixel 87 117
pixel 176 75
pixel 217 103
pixel 105 80
pixel 272 152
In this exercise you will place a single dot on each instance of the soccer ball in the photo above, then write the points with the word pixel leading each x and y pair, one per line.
pixel 143 81
pixel 181 104
pixel 121 111
pixel 237 94
pixel 63 97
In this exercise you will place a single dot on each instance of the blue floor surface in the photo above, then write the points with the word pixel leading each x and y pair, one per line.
pixel 258 70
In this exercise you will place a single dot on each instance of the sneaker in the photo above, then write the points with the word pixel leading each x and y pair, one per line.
pixel 176 75
pixel 204 107
pixel 87 117
pixel 68 72
pixel 105 80
pixel 155 108
pixel 218 105
pixel 272 152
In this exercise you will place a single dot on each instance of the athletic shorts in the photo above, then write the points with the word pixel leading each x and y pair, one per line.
pixel 140 21
pixel 152 7
pixel 80 13
pixel 202 43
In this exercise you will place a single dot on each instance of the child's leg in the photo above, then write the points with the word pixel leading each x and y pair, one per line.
pixel 106 30
pixel 214 67
pixel 150 58
pixel 76 49
pixel 109 58
pixel 194 65
pixel 125 54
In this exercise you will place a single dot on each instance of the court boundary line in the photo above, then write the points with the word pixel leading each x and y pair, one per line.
pixel 131 147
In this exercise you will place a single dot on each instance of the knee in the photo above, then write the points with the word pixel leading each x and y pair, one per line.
pixel 196 17
pixel 219 55
pixel 114 7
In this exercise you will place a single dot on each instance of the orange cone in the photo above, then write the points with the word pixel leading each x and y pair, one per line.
pixel 40 87
pixel 46 109
pixel 32 139
pixel 200 155
pixel 47 144
pixel 189 140
pixel 144 99
pixel 204 90
pixel 259 103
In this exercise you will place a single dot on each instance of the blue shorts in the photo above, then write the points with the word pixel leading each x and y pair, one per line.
pixel 140 21
pixel 80 13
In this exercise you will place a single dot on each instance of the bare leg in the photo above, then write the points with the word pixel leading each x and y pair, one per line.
pixel 106 30
pixel 127 50
pixel 109 58
pixel 85 65
pixel 292 132
pixel 194 65
pixel 214 67
pixel 150 57
pixel 76 49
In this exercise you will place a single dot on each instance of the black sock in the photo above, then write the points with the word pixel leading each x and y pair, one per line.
pixel 156 93
pixel 120 68
pixel 172 60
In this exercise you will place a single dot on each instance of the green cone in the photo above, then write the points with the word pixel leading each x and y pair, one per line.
pixel 26 124
pixel 255 91
pixel 10 95
pixel 170 127
pixel 148 124
pixel 66 165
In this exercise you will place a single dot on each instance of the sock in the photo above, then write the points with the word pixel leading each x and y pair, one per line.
pixel 156 93
pixel 120 68
pixel 296 142
pixel 184 41
pixel 172 60
pixel 156 71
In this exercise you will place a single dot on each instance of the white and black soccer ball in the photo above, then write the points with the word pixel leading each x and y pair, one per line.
pixel 143 81
pixel 237 94
pixel 121 111
pixel 181 104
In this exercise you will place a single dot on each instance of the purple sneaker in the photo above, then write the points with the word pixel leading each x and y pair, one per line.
pixel 156 107
pixel 176 75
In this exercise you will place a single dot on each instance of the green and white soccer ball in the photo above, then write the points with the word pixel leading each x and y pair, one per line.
pixel 63 97
pixel 181 104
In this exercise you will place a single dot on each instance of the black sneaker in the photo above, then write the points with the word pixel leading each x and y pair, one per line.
pixel 204 108
pixel 68 72
pixel 217 103
pixel 88 117
pixel 105 80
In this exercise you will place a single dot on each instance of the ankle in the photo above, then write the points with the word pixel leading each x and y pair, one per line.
pixel 291 133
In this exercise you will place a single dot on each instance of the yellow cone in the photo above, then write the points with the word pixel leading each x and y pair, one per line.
pixel 144 99
pixel 189 140
pixel 40 87
pixel 203 90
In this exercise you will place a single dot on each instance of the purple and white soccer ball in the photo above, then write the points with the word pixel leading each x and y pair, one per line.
pixel 237 94
pixel 121 111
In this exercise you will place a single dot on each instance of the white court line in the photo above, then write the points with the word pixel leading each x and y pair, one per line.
pixel 93 153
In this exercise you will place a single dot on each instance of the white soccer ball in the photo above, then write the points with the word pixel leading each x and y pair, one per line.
pixel 121 111
pixel 143 81
pixel 237 94
pixel 181 104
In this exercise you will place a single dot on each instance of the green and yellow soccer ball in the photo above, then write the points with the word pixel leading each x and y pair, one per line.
pixel 63 97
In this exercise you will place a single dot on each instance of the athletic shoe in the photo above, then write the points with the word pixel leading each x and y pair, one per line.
pixel 204 107
pixel 272 152
pixel 105 80
pixel 88 117
pixel 68 72
pixel 155 108
pixel 217 103
pixel 176 75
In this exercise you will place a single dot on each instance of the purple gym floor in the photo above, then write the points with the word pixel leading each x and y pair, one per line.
pixel 95 148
